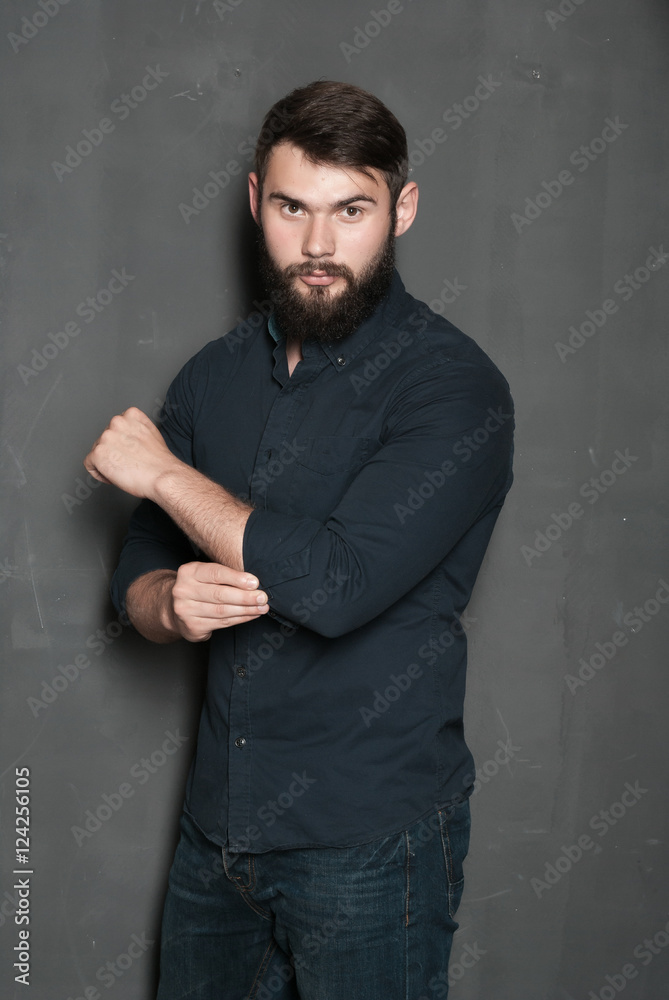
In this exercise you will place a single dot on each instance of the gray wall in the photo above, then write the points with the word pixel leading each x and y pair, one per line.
pixel 83 705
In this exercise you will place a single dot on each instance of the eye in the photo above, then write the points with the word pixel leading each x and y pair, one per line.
pixel 352 212
pixel 291 208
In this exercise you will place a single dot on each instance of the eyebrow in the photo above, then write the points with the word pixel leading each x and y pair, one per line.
pixel 279 196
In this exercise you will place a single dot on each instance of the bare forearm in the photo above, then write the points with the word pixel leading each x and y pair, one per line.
pixel 132 455
pixel 211 516
pixel 194 602
pixel 149 606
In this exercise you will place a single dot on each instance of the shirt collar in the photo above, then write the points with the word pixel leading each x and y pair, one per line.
pixel 273 328
pixel 343 353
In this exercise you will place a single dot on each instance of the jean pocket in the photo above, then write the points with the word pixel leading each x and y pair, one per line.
pixel 454 825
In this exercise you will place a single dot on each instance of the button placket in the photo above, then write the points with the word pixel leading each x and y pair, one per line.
pixel 279 430
pixel 240 745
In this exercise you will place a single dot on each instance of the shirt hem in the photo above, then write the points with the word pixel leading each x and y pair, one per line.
pixel 455 800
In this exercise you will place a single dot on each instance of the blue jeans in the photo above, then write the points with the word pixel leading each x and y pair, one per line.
pixel 374 922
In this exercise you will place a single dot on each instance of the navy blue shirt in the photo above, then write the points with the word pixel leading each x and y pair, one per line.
pixel 376 473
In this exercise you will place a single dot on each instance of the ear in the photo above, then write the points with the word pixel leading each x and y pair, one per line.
pixel 254 196
pixel 407 206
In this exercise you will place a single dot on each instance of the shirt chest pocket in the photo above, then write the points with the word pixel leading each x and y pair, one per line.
pixel 324 469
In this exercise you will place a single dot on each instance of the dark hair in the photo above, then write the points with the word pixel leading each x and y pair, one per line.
pixel 338 124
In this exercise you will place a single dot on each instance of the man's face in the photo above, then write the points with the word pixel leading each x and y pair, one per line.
pixel 327 238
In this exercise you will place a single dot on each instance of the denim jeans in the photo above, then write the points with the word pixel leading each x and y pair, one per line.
pixel 373 922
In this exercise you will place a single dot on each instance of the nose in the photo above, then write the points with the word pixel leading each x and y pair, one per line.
pixel 318 239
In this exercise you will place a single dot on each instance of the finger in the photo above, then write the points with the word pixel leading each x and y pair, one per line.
pixel 216 612
pixel 135 416
pixel 199 629
pixel 102 479
pixel 190 589
pixel 91 469
pixel 197 638
pixel 134 413
pixel 225 576
pixel 233 596
pixel 235 620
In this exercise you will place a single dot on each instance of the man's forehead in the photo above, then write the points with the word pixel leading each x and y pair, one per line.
pixel 289 163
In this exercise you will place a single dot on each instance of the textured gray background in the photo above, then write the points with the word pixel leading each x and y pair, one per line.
pixel 556 81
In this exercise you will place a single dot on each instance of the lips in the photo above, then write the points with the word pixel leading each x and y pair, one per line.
pixel 318 278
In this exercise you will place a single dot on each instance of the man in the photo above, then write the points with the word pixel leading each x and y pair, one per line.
pixel 317 506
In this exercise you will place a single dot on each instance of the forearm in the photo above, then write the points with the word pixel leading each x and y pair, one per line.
pixel 132 454
pixel 212 517
pixel 149 606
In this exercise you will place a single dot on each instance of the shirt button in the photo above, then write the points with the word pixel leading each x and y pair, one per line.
pixel 341 360
pixel 241 671
pixel 271 613
pixel 240 741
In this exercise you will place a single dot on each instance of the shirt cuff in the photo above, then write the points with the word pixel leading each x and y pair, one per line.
pixel 134 566
pixel 277 549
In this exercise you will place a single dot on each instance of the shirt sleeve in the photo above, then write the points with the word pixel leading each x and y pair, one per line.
pixel 153 540
pixel 444 463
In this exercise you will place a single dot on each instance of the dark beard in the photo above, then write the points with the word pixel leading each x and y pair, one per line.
pixel 316 315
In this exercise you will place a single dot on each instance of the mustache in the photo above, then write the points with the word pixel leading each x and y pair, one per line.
pixel 329 267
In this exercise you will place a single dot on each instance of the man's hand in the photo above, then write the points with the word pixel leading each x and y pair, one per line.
pixel 165 605
pixel 209 596
pixel 131 454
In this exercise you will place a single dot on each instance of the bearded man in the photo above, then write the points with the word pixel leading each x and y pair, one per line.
pixel 316 505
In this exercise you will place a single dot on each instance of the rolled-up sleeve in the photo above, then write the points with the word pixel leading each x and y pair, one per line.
pixel 444 463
